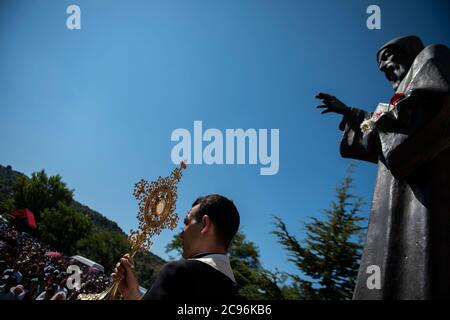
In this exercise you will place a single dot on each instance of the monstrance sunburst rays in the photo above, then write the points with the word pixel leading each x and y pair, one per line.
pixel 157 202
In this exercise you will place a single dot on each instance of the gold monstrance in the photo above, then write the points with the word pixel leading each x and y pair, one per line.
pixel 157 202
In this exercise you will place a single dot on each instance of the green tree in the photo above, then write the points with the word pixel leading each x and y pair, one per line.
pixel 146 268
pixel 253 281
pixel 40 192
pixel 62 227
pixel 331 250
pixel 7 205
pixel 103 246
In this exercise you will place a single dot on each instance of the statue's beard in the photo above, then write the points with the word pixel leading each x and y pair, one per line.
pixel 395 84
pixel 395 73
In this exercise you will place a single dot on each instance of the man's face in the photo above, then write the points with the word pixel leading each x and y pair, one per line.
pixel 394 64
pixel 190 235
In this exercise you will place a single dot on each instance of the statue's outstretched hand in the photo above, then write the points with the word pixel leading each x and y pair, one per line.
pixel 331 104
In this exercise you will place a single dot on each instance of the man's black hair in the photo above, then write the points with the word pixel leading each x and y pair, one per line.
pixel 222 212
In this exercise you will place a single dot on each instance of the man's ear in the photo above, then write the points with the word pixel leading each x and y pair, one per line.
pixel 206 223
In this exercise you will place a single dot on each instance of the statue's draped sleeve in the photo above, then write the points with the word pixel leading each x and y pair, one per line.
pixel 354 144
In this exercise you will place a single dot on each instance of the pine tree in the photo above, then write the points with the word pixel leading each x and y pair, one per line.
pixel 329 256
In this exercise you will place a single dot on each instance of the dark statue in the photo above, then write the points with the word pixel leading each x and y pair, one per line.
pixel 408 235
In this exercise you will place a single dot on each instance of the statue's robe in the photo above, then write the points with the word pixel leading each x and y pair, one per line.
pixel 408 236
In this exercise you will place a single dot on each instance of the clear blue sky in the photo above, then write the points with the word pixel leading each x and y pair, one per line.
pixel 98 105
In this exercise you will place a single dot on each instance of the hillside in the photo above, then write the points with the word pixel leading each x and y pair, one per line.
pixel 7 178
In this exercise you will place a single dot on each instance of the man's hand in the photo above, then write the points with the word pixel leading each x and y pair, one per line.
pixel 331 104
pixel 125 272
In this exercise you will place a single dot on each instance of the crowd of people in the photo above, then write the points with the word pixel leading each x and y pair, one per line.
pixel 31 270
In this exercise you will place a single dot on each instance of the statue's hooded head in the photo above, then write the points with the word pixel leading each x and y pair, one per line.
pixel 396 57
